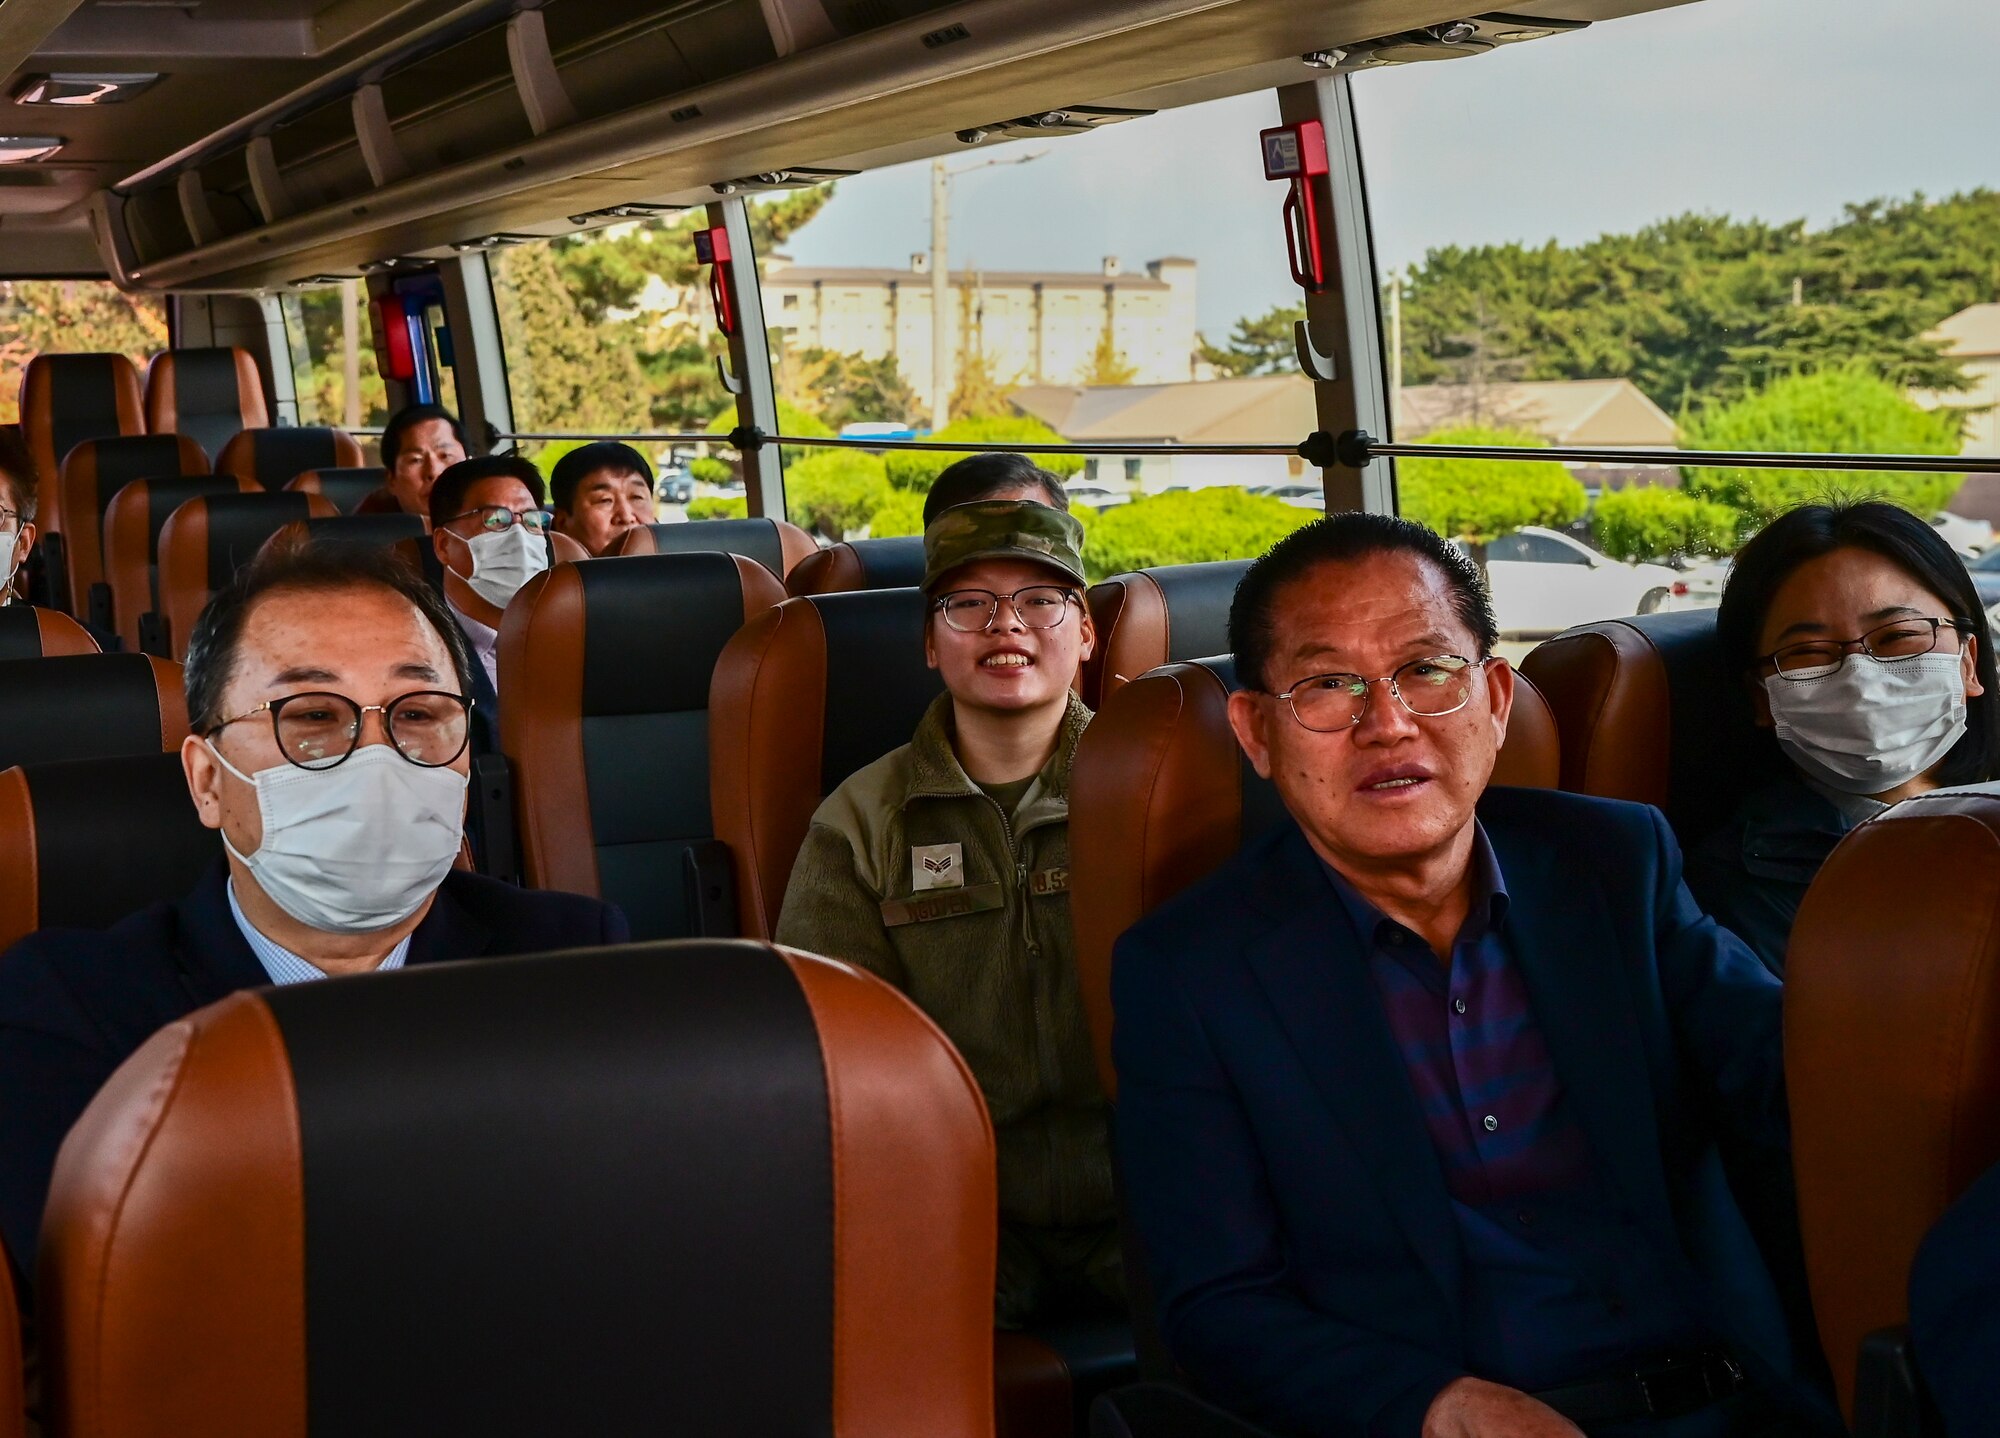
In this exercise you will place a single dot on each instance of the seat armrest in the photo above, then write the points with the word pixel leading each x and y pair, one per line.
pixel 55 571
pixel 1890 1399
pixel 1164 1410
pixel 154 638
pixel 709 882
pixel 100 617
pixel 489 818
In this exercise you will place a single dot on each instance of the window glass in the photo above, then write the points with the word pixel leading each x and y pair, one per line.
pixel 613 332
pixel 1100 287
pixel 1732 255
pixel 72 315
pixel 332 340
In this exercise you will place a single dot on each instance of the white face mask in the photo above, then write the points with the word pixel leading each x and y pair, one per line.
pixel 358 847
pixel 504 561
pixel 1866 726
pixel 14 558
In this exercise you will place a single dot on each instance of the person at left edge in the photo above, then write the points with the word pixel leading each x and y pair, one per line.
pixel 489 536
pixel 325 693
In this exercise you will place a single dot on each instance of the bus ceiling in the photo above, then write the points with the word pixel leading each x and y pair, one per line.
pixel 254 144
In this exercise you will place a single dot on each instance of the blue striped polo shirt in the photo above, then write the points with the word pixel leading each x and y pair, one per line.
pixel 1561 1282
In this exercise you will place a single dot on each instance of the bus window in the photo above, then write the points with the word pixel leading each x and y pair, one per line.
pixel 611 332
pixel 1722 265
pixel 72 315
pixel 1093 288
pixel 331 335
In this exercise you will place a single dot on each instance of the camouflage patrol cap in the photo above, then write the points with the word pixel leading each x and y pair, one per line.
pixel 1002 529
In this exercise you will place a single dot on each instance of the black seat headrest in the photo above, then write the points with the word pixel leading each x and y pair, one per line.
pixel 89 706
pixel 893 563
pixel 877 684
pixel 369 531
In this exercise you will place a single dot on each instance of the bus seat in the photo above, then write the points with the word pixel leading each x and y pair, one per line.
pixel 345 487
pixel 1162 794
pixel 207 540
pixel 809 1252
pixel 132 526
pixel 210 395
pixel 30 633
pixel 67 399
pixel 85 842
pixel 896 563
pixel 90 706
pixel 604 720
pixel 1151 617
pixel 804 695
pixel 1892 1055
pixel 1649 713
pixel 773 543
pixel 274 457
pixel 92 475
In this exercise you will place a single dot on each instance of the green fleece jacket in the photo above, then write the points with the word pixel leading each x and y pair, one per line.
pixel 912 872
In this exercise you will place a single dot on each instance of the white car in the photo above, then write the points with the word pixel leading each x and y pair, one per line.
pixel 1544 582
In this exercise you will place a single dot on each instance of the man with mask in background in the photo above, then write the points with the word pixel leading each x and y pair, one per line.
pixel 491 536
pixel 326 699
pixel 17 517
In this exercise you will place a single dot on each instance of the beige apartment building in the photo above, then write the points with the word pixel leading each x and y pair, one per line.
pixel 1972 337
pixel 1033 327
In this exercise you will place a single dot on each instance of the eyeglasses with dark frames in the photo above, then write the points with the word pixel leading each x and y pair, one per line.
pixel 317 731
pixel 498 519
pixel 1885 644
pixel 972 611
pixel 1429 688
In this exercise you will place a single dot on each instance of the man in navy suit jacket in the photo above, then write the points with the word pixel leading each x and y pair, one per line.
pixel 1421 1095
pixel 325 694
pixel 1955 1310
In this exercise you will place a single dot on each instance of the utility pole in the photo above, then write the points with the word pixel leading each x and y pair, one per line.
pixel 940 295
pixel 941 178
pixel 1396 353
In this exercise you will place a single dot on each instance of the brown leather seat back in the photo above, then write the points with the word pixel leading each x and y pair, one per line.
pixel 210 395
pixel 92 475
pixel 1151 617
pixel 345 487
pixel 604 718
pixel 806 694
pixel 132 526
pixel 30 633
pixel 893 563
pixel 274 457
pixel 207 540
pixel 811 1252
pixel 1892 1053
pixel 67 399
pixel 87 842
pixel 1162 795
pixel 773 543
pixel 1648 711
pixel 90 706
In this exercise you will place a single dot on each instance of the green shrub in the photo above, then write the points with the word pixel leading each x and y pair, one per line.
pixel 791 420
pixel 901 513
pixel 1834 411
pixel 917 469
pixel 1185 528
pixel 736 507
pixel 707 469
pixel 835 491
pixel 1478 500
pixel 1644 523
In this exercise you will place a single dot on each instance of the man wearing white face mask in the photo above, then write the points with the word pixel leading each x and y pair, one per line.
pixel 17 518
pixel 326 695
pixel 490 535
pixel 1861 641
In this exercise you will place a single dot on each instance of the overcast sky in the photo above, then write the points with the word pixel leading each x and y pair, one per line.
pixel 1778 109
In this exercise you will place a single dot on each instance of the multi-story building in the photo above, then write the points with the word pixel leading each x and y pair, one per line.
pixel 1032 327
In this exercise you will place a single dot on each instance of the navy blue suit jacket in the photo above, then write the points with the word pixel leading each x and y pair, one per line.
pixel 1955 1311
pixel 76 1003
pixel 1286 1195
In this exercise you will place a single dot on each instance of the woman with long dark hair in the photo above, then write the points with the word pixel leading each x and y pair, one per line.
pixel 1865 647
